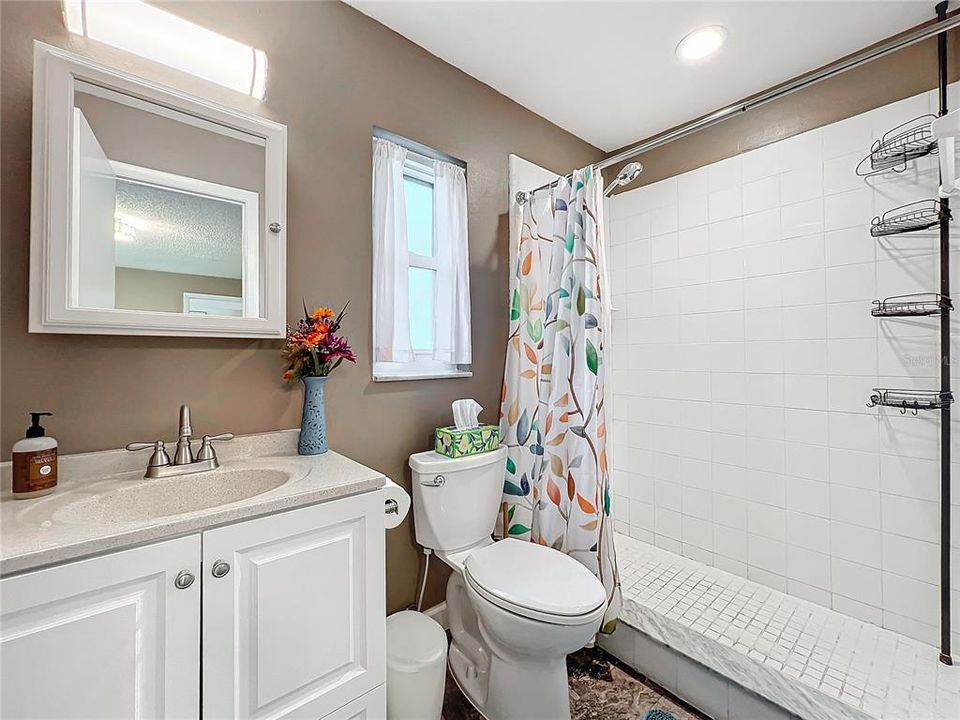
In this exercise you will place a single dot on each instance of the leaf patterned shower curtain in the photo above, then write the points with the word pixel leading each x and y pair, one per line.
pixel 557 484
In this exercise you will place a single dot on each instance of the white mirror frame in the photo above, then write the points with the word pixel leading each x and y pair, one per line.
pixel 55 74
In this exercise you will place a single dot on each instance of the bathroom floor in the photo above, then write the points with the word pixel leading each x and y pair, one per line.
pixel 601 688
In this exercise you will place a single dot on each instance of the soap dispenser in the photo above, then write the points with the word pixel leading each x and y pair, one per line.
pixel 35 461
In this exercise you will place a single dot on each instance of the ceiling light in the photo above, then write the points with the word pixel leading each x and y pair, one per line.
pixel 123 232
pixel 134 221
pixel 701 43
pixel 163 37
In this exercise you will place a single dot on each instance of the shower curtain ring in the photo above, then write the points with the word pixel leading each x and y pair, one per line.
pixel 903 410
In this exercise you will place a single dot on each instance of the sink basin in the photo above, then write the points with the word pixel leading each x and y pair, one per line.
pixel 172 496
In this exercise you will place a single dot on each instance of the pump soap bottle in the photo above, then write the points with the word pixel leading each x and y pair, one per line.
pixel 35 461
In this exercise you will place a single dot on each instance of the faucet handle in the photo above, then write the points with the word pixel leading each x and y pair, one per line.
pixel 206 445
pixel 159 458
pixel 134 446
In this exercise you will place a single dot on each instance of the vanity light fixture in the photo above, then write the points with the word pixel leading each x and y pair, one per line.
pixel 155 34
pixel 701 43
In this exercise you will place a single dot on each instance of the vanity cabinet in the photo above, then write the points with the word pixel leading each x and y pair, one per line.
pixel 296 626
pixel 107 637
pixel 369 707
pixel 284 618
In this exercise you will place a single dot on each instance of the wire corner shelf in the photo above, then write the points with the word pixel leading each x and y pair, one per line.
pixel 898 146
pixel 910 400
pixel 911 305
pixel 912 217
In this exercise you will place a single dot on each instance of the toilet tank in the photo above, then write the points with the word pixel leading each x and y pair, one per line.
pixel 456 500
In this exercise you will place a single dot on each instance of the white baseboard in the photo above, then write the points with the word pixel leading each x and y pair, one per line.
pixel 439 613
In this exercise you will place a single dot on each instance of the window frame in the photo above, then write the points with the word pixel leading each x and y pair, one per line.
pixel 419 166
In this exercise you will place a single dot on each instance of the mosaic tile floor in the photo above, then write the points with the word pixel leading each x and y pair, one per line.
pixel 870 669
pixel 601 688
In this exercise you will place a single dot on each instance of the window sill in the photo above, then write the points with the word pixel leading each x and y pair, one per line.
pixel 432 375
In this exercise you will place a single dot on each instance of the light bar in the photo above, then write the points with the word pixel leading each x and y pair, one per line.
pixel 155 34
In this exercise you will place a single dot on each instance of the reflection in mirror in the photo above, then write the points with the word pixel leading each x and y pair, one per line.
pixel 167 210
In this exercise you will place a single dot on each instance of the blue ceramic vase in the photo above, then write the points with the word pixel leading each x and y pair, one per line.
pixel 313 425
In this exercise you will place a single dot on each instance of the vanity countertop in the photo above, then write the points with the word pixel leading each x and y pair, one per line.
pixel 73 522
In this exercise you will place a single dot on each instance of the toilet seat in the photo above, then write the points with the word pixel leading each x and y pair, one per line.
pixel 535 582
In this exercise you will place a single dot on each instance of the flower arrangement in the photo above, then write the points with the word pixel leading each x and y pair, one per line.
pixel 313 347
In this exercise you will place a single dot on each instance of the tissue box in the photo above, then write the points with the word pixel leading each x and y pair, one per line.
pixel 457 443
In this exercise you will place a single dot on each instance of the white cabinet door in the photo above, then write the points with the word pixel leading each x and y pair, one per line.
pixel 108 637
pixel 296 627
pixel 372 706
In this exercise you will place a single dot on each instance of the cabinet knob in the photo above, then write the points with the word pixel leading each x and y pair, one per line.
pixel 184 580
pixel 275 228
pixel 219 569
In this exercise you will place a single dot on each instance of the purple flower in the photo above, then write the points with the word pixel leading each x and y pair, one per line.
pixel 336 347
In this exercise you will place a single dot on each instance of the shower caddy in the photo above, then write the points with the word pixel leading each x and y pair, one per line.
pixel 892 153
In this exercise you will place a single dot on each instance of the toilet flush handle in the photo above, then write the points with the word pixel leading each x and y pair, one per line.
pixel 435 481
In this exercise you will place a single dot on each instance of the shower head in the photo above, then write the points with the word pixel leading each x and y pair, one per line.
pixel 629 173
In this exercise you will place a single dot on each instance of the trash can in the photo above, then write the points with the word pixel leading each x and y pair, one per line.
pixel 416 666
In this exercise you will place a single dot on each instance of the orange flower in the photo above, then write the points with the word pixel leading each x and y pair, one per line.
pixel 288 376
pixel 317 336
pixel 322 313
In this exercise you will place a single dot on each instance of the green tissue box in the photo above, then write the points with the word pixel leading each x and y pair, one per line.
pixel 457 443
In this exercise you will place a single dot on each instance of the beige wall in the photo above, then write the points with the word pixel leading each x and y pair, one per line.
pixel 162 291
pixel 138 137
pixel 333 75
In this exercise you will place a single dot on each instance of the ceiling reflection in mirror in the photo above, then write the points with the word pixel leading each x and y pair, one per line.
pixel 167 210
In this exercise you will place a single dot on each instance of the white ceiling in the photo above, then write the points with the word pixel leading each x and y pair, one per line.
pixel 180 232
pixel 607 71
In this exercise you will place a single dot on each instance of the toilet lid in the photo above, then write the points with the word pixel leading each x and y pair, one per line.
pixel 519 575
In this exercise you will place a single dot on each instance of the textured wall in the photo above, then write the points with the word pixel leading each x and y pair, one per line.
pixel 333 75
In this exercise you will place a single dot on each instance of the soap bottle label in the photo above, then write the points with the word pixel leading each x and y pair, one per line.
pixel 35 470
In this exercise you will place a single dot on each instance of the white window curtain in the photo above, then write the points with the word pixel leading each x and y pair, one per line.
pixel 391 314
pixel 452 306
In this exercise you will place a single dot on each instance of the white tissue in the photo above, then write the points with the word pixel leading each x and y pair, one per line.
pixel 393 492
pixel 466 414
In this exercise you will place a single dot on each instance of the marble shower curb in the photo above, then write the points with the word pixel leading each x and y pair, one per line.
pixel 794 697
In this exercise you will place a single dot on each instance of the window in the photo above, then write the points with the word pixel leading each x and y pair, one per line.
pixel 421 276
pixel 422 271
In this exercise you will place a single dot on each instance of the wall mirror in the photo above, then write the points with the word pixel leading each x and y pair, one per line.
pixel 153 212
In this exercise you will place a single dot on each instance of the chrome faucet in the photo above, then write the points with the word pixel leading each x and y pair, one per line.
pixel 184 454
pixel 184 463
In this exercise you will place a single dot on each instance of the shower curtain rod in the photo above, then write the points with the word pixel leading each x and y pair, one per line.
pixel 787 88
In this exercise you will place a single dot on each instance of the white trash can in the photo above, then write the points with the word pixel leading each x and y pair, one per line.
pixel 416 666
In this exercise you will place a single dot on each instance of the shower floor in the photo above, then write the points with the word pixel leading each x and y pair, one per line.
pixel 811 661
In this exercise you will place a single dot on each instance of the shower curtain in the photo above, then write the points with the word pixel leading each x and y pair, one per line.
pixel 552 415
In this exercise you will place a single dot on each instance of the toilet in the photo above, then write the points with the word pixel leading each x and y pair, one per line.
pixel 516 609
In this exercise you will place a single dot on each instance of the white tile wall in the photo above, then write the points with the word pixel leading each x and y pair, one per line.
pixel 743 352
